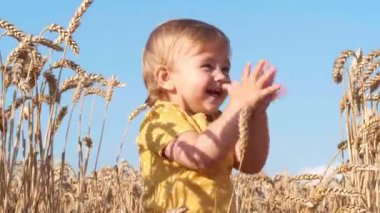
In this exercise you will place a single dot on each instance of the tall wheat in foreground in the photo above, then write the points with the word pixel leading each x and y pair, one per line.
pixel 353 186
pixel 32 112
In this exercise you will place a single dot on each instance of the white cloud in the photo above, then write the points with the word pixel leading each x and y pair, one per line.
pixel 321 169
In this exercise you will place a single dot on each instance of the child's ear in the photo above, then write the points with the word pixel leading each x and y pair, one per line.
pixel 164 78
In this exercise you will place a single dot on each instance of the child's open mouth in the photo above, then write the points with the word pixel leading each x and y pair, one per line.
pixel 214 92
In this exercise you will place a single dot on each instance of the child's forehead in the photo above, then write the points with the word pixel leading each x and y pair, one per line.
pixel 198 47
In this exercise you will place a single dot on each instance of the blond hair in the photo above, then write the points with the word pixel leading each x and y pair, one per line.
pixel 166 40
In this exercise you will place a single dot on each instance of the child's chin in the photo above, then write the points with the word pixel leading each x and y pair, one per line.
pixel 212 109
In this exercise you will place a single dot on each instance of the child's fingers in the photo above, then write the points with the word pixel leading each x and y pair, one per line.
pixel 280 93
pixel 246 72
pixel 227 86
pixel 267 78
pixel 270 81
pixel 271 90
pixel 257 72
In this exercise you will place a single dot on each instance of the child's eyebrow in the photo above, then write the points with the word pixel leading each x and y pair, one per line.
pixel 211 59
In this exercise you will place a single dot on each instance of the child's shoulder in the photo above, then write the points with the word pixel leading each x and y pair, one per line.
pixel 163 108
pixel 162 111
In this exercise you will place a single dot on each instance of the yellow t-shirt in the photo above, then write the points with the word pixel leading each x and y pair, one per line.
pixel 167 184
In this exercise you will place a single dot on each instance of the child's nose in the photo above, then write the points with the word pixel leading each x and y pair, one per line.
pixel 222 76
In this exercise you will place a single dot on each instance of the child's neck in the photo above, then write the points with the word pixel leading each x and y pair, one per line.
pixel 181 103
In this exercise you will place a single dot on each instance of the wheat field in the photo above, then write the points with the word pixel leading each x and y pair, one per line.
pixel 34 179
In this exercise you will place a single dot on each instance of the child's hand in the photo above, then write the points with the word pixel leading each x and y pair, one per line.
pixel 256 89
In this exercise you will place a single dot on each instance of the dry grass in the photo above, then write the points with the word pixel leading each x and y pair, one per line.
pixel 33 85
pixel 31 180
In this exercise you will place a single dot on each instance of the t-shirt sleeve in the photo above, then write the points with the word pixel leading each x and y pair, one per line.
pixel 161 127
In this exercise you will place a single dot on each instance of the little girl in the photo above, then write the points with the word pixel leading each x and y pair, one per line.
pixel 187 146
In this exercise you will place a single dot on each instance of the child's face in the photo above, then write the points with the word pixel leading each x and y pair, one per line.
pixel 198 77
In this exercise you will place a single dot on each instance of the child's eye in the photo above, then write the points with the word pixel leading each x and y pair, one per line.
pixel 207 66
pixel 226 70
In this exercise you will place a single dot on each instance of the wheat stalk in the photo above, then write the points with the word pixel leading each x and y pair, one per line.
pixel 111 84
pixel 131 116
pixel 46 42
pixel 243 140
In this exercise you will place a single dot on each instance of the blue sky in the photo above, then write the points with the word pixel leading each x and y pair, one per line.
pixel 301 38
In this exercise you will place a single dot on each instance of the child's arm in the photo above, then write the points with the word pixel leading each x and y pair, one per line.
pixel 204 151
pixel 256 153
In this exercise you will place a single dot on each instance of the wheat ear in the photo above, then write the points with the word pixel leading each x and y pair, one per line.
pixel 62 113
pixel 353 208
pixel 131 116
pixel 53 86
pixel 71 65
pixel 306 177
pixel 339 64
pixel 75 21
pixel 296 200
pixel 47 43
pixel 12 30
pixel 65 35
pixel 244 116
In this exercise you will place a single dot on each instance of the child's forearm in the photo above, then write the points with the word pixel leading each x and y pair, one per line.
pixel 204 151
pixel 258 144
pixel 220 137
